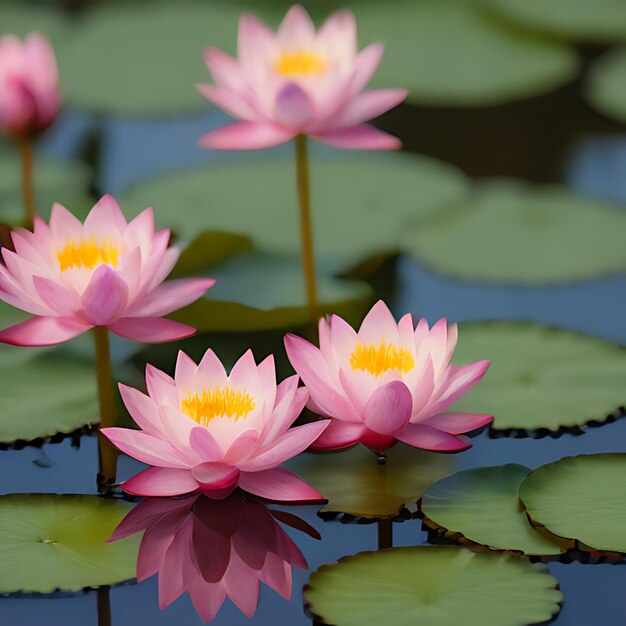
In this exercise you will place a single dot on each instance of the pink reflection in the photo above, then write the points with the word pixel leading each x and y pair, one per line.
pixel 214 548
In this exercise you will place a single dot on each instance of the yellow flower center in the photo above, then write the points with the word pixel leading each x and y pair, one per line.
pixel 301 63
pixel 87 253
pixel 380 358
pixel 218 402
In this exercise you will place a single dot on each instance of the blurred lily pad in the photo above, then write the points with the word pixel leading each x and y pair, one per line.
pixel 21 18
pixel 54 181
pixel 453 54
pixel 482 505
pixel 50 542
pixel 256 291
pixel 361 205
pixel 606 84
pixel 437 586
pixel 601 21
pixel 541 380
pixel 581 498
pixel 511 232
pixel 354 483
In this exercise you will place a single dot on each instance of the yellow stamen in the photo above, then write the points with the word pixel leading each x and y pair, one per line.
pixel 382 358
pixel 226 402
pixel 301 63
pixel 87 253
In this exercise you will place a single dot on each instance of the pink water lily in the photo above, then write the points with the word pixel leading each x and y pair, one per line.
pixel 214 549
pixel 209 431
pixel 389 381
pixel 106 272
pixel 29 95
pixel 299 81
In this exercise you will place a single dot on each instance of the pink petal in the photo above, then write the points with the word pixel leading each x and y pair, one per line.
pixel 61 299
pixel 41 61
pixel 224 69
pixel 142 409
pixel 338 34
pixel 105 297
pixel 204 444
pixel 366 63
pixel 246 136
pixel 277 575
pixel 429 438
pixel 43 331
pixel 63 224
pixel 360 137
pixel 370 104
pixel 161 387
pixel 460 381
pixel 339 434
pixel 241 447
pixel 215 476
pixel 210 373
pixel 379 323
pixel 144 447
pixel 105 218
pixel 242 586
pixel 230 102
pixel 293 107
pixel 161 481
pixel 458 423
pixel 296 27
pixel 177 559
pixel 171 296
pixel 212 551
pixel 253 39
pixel 278 484
pixel 389 408
pixel 151 329
pixel 207 599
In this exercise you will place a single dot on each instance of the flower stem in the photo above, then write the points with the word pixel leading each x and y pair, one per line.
pixel 25 146
pixel 106 450
pixel 385 533
pixel 306 230
pixel 104 607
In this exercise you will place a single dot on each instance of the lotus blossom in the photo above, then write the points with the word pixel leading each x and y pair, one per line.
pixel 29 96
pixel 105 272
pixel 298 82
pixel 211 432
pixel 214 549
pixel 389 381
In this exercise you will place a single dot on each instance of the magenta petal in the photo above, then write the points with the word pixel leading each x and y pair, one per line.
pixel 389 408
pixel 458 423
pixel 212 551
pixel 294 108
pixel 144 447
pixel 278 484
pixel 151 329
pixel 105 297
pixel 246 136
pixel 362 137
pixel 429 438
pixel 161 481
pixel 172 574
pixel 43 331
pixel 339 434
pixel 215 476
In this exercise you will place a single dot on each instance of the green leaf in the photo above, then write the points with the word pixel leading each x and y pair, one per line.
pixel 483 506
pixel 601 21
pixel 438 586
pixel 353 482
pixel 582 498
pixel 257 291
pixel 541 379
pixel 361 205
pixel 511 232
pixel 606 84
pixel 50 542
pixel 452 54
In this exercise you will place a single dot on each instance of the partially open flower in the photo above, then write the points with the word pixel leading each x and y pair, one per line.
pixel 389 381
pixel 299 81
pixel 105 272
pixel 29 96
pixel 212 432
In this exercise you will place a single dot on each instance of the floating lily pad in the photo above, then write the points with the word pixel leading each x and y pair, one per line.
pixel 255 291
pixel 581 498
pixel 511 232
pixel 541 380
pixel 361 205
pixel 54 181
pixel 482 505
pixel 606 86
pixel 602 21
pixel 437 586
pixel 354 483
pixel 453 54
pixel 50 542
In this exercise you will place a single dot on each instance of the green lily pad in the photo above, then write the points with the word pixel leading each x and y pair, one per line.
pixel 541 380
pixel 54 181
pixel 482 505
pixel 437 586
pixel 511 232
pixel 257 291
pixel 361 205
pixel 21 18
pixel 581 498
pixel 602 21
pixel 354 483
pixel 453 54
pixel 606 84
pixel 50 542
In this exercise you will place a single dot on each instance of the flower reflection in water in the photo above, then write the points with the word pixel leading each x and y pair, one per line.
pixel 214 548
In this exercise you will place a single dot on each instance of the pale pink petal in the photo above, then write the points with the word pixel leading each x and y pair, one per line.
pixel 293 107
pixel 246 136
pixel 362 137
pixel 338 35
pixel 63 224
pixel 278 484
pixel 368 105
pixel 254 39
pixel 365 64
pixel 170 296
pixel 429 438
pixel 61 299
pixel 389 408
pixel 105 219
pixel 151 329
pixel 339 435
pixel 105 297
pixel 224 69
pixel 161 481
pixel 43 331
pixel 142 409
pixel 241 447
pixel 460 381
pixel 296 27
pixel 161 387
pixel 205 445
pixel 230 102
pixel 242 585
pixel 184 374
pixel 288 405
pixel 267 377
pixel 379 323
pixel 245 372
pixel 458 423
pixel 210 372
pixel 145 447
pixel 41 61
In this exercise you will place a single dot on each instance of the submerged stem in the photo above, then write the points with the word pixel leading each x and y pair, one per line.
pixel 385 533
pixel 25 146
pixel 107 451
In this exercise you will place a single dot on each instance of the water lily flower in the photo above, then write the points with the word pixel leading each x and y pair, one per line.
pixel 298 81
pixel 207 431
pixel 213 549
pixel 29 95
pixel 103 273
pixel 389 381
